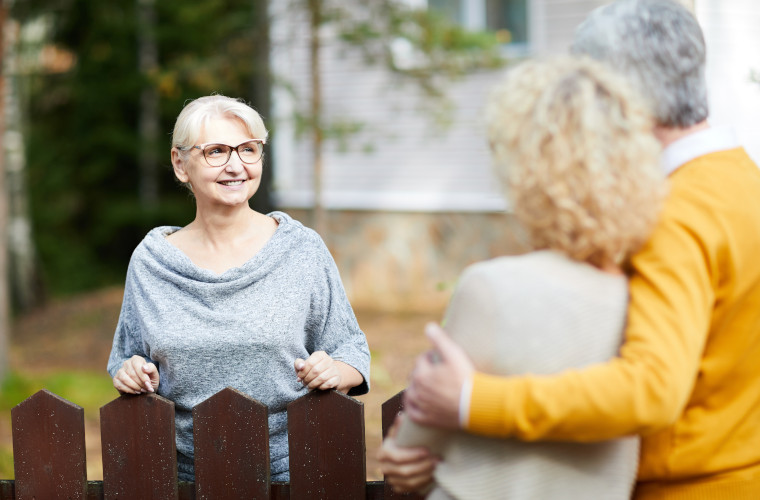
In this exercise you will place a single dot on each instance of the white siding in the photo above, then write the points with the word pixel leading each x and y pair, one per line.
pixel 732 34
pixel 553 23
pixel 401 160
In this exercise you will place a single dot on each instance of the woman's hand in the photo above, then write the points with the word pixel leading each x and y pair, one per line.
pixel 320 371
pixel 406 469
pixel 136 376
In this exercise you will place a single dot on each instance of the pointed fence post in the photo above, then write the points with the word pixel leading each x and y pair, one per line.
pixel 231 438
pixel 139 452
pixel 49 448
pixel 389 410
pixel 327 448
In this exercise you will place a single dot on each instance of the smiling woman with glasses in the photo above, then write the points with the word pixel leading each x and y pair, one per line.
pixel 236 298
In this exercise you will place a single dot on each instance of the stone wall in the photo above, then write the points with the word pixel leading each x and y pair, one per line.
pixel 410 261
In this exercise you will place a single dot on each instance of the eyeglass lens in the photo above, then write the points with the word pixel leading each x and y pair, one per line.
pixel 219 154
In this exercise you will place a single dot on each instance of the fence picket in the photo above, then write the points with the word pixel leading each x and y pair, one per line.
pixel 327 449
pixel 49 448
pixel 326 434
pixel 389 410
pixel 137 439
pixel 231 436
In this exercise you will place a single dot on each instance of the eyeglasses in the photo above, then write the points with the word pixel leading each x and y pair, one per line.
pixel 217 155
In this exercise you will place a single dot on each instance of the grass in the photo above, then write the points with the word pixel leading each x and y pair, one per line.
pixel 86 389
pixel 90 390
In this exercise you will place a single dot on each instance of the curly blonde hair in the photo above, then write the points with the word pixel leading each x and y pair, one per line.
pixel 573 146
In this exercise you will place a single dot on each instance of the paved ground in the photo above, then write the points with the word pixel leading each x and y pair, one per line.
pixel 77 334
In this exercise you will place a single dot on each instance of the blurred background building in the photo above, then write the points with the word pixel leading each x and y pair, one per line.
pixel 387 159
pixel 409 193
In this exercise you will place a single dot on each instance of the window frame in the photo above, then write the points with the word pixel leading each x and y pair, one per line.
pixel 473 15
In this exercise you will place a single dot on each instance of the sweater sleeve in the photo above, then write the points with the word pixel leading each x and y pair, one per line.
pixel 648 385
pixel 126 342
pixel 332 323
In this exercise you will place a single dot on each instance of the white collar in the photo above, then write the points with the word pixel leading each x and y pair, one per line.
pixel 709 140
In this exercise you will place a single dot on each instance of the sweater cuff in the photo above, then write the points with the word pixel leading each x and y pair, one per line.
pixel 488 407
pixel 464 402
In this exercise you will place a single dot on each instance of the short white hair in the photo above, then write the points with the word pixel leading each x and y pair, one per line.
pixel 198 112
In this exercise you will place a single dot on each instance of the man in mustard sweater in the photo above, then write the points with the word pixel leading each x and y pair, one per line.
pixel 688 375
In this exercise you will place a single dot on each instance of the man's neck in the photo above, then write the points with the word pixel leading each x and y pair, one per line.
pixel 669 135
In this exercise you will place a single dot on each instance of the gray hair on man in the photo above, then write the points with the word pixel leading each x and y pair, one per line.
pixel 658 45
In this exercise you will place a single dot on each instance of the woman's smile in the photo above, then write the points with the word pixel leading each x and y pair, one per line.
pixel 232 183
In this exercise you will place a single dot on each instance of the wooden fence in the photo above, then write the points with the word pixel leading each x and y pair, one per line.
pixel 231 435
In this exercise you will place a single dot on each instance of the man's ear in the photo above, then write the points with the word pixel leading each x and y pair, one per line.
pixel 179 165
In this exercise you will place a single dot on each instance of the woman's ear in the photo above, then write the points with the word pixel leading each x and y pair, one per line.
pixel 180 166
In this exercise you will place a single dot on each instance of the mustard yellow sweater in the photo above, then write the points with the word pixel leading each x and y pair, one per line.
pixel 688 376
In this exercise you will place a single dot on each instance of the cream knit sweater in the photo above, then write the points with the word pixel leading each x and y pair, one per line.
pixel 538 313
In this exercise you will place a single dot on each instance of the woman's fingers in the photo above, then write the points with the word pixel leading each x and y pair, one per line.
pixel 150 376
pixel 405 469
pixel 136 376
pixel 124 382
pixel 318 371
pixel 121 386
pixel 330 383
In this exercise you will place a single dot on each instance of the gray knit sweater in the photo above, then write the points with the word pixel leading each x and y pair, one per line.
pixel 243 328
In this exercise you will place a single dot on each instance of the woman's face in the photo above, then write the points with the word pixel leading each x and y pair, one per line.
pixel 232 184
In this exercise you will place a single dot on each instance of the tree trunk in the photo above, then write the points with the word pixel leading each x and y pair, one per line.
pixel 260 94
pixel 149 119
pixel 319 215
pixel 24 282
pixel 4 309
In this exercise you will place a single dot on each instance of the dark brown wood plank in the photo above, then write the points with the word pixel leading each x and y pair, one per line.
pixel 375 490
pixel 186 490
pixel 7 489
pixel 280 491
pixel 327 449
pixel 94 490
pixel 389 410
pixel 231 438
pixel 48 448
pixel 139 452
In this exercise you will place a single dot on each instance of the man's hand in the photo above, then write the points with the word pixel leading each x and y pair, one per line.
pixel 432 397
pixel 406 469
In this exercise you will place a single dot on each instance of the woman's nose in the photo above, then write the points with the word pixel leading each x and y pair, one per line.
pixel 235 163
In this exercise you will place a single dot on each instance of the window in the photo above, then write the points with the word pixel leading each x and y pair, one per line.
pixel 508 18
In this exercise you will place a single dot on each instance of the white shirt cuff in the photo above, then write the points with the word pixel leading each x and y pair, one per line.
pixel 464 402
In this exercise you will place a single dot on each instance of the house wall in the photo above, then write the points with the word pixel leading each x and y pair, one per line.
pixel 410 261
pixel 733 37
pixel 412 202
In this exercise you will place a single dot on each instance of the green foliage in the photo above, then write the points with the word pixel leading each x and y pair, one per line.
pixel 442 50
pixel 86 389
pixel 82 136
pixel 6 462
pixel 436 52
